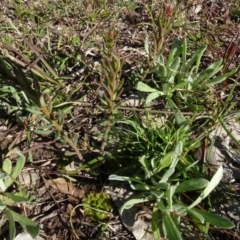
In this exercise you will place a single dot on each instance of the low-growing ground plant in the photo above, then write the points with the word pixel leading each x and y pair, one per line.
pixel 8 177
pixel 164 175
pixel 97 206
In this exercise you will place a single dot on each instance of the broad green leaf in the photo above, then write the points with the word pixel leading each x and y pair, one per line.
pixel 3 175
pixel 215 219
pixel 166 160
pixel 11 224
pixel 221 78
pixel 192 185
pixel 162 71
pixel 195 215
pixel 211 186
pixel 178 86
pixel 180 209
pixel 30 226
pixel 144 87
pixel 172 71
pixel 173 50
pixel 159 186
pixel 155 223
pixel 3 185
pixel 171 229
pixel 7 166
pixel 153 96
pixel 135 200
pixel 19 166
pixel 43 132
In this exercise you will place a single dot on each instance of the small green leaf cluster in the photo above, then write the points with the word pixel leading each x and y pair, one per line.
pixel 8 176
pixel 97 206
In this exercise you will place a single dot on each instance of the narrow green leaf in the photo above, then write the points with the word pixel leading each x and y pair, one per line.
pixel 169 193
pixel 15 198
pixel 173 50
pixel 177 152
pixel 180 119
pixel 208 73
pixel 155 223
pixel 167 174
pixel 195 58
pixel 11 223
pixel 123 178
pixel 184 51
pixel 146 166
pixel 215 219
pixel 33 110
pixel 146 46
pixel 221 78
pixel 43 132
pixel 171 229
pixel 5 67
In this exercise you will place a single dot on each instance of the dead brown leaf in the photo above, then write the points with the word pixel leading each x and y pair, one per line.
pixel 66 187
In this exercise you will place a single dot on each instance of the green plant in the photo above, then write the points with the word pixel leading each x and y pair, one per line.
pixel 8 176
pixel 178 77
pixel 97 206
pixel 165 179
pixel 28 91
pixel 112 83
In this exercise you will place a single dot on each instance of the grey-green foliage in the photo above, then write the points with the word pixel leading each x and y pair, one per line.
pixel 162 175
pixel 161 184
pixel 179 77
